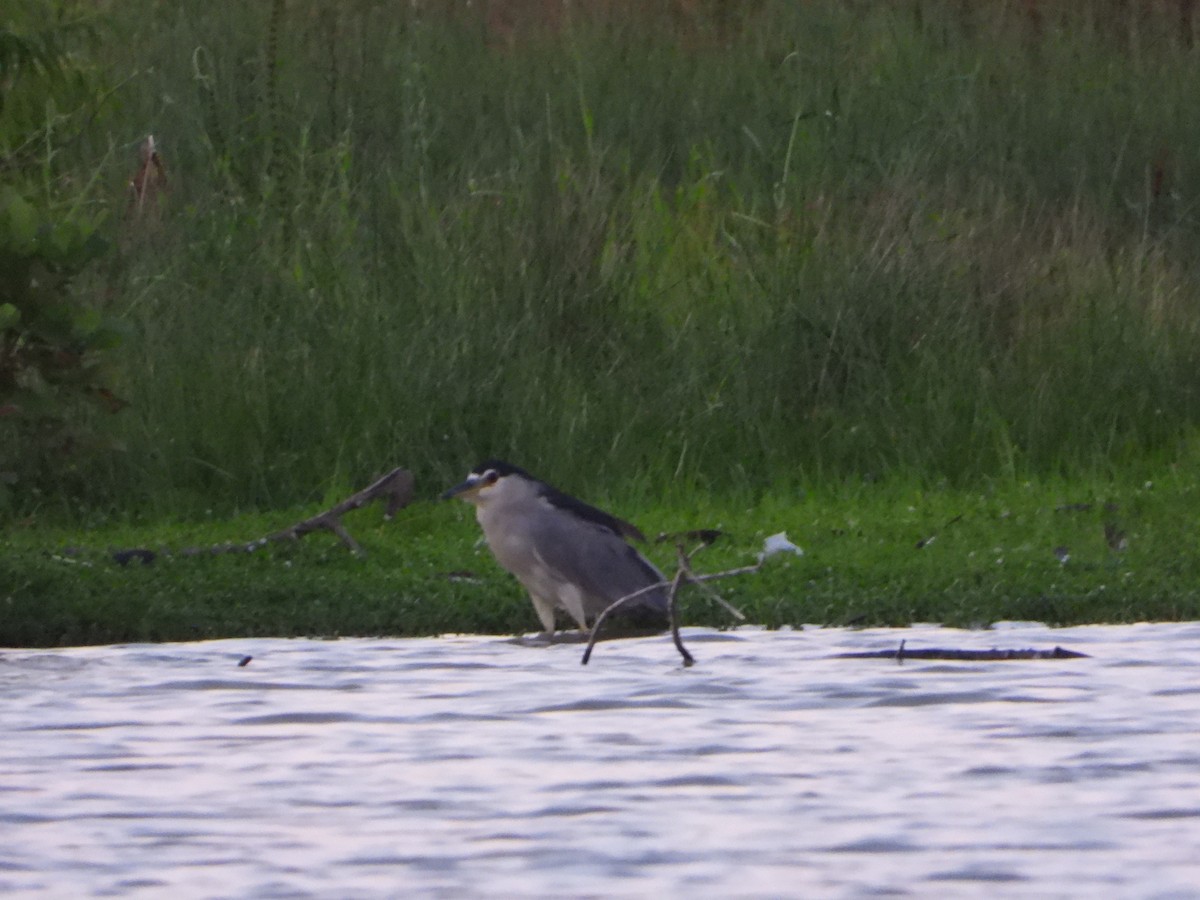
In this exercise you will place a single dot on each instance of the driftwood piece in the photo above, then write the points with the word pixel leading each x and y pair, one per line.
pixel 900 654
pixel 395 489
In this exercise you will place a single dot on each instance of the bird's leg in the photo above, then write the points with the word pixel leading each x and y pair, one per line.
pixel 580 621
pixel 572 601
pixel 545 611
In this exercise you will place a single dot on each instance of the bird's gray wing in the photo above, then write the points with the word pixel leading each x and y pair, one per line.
pixel 602 565
pixel 579 509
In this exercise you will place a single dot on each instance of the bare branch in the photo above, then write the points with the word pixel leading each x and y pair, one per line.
pixel 396 488
pixel 673 607
pixel 615 605
pixel 683 574
pixel 700 582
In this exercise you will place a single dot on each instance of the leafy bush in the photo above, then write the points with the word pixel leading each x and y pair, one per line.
pixel 52 339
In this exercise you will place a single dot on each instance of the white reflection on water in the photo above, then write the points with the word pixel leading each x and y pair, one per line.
pixel 471 766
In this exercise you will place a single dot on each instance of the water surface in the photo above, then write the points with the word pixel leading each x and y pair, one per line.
pixel 471 766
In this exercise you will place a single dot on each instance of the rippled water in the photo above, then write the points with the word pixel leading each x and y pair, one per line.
pixel 471 766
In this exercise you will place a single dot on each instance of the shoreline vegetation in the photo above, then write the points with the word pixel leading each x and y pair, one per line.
pixel 874 554
pixel 871 273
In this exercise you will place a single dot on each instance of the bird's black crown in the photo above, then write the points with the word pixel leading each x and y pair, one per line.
pixel 500 467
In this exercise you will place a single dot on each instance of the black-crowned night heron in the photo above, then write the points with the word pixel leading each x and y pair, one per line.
pixel 567 554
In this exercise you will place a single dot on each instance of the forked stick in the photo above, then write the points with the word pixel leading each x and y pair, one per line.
pixel 683 574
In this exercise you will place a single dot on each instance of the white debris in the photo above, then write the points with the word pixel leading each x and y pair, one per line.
pixel 778 543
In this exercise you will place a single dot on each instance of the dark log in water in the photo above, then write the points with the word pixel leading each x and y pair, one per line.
pixel 902 653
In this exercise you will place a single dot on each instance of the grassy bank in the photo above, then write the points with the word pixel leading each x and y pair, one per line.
pixel 875 554
pixel 802 242
pixel 857 271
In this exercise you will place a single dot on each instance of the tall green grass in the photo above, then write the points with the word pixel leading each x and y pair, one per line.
pixel 817 240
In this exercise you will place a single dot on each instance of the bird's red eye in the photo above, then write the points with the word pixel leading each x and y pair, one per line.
pixel 490 476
